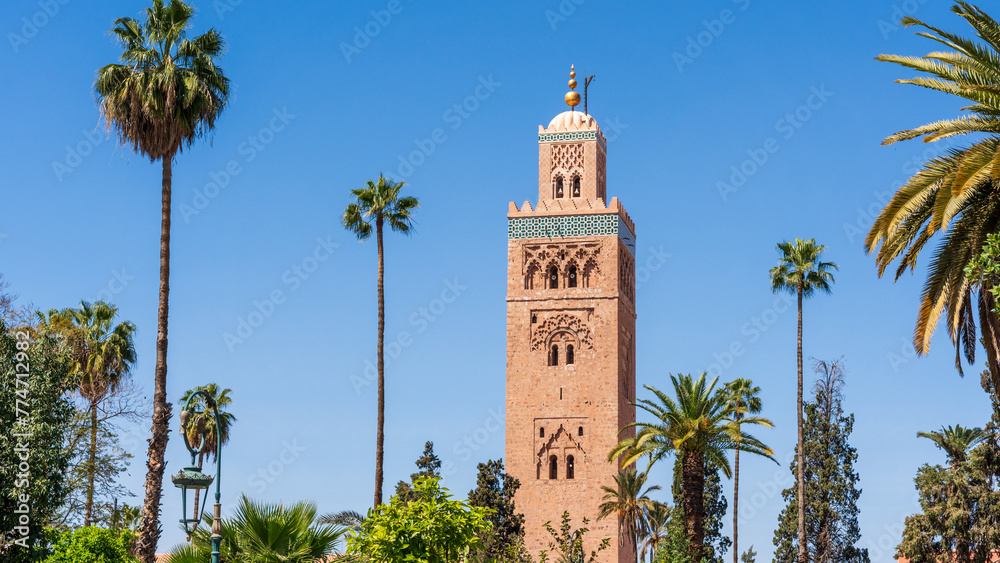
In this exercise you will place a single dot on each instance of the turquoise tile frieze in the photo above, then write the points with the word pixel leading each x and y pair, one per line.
pixel 570 226
pixel 572 136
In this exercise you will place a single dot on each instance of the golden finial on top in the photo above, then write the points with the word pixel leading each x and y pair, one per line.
pixel 572 97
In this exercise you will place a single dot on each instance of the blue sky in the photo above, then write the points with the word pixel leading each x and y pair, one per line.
pixel 783 103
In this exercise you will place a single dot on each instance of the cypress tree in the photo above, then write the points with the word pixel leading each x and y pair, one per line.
pixel 831 483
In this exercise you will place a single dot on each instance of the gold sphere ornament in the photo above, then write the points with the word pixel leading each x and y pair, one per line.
pixel 572 99
pixel 572 83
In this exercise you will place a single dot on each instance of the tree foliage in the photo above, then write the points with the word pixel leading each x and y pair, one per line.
pixel 264 533
pixel 92 545
pixel 495 492
pixel 566 545
pixel 428 466
pixel 35 413
pixel 831 492
pixel 960 504
pixel 433 528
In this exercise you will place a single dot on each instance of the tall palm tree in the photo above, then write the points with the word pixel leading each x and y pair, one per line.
pixel 955 194
pixel 265 533
pixel 102 356
pixel 698 428
pixel 379 203
pixel 206 418
pixel 956 441
pixel 629 504
pixel 745 399
pixel 657 519
pixel 167 92
pixel 801 271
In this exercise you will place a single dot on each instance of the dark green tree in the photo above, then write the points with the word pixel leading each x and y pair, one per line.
pixel 35 412
pixel 495 490
pixel 749 556
pixel 429 465
pixel 960 504
pixel 831 510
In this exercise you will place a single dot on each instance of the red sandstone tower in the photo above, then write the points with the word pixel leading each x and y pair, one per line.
pixel 570 335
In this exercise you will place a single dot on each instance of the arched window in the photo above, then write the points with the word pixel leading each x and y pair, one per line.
pixel 572 276
pixel 569 467
pixel 553 278
pixel 569 354
pixel 554 355
pixel 553 467
pixel 541 432
pixel 559 186
pixel 576 186
pixel 534 319
pixel 580 431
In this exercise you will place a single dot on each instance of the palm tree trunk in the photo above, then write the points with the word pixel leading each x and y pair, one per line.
pixel 380 433
pixel 693 487
pixel 989 324
pixel 801 447
pixel 88 517
pixel 149 530
pixel 736 505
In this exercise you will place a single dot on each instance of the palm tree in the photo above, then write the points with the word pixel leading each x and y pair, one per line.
pixel 345 518
pixel 379 203
pixel 206 417
pixel 698 428
pixel 956 441
pixel 955 194
pixel 744 399
pixel 102 356
pixel 167 92
pixel 801 272
pixel 657 520
pixel 629 504
pixel 265 533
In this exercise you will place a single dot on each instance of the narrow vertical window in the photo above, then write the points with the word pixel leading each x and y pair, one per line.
pixel 534 319
pixel 553 468
pixel 569 467
pixel 559 187
pixel 553 278
pixel 576 186
pixel 569 354
pixel 580 431
pixel 541 432
pixel 554 355
pixel 572 276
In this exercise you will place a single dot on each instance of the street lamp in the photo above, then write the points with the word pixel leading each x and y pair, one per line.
pixel 191 477
pixel 575 540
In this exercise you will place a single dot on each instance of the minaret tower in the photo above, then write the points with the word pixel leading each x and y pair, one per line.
pixel 570 334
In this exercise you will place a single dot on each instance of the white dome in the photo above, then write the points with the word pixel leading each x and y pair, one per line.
pixel 572 121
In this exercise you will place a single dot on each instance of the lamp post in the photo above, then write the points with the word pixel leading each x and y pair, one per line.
pixel 576 540
pixel 191 477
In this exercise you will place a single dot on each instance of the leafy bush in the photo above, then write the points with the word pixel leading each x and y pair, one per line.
pixel 92 545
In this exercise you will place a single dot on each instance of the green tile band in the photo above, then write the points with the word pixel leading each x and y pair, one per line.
pixel 572 136
pixel 570 226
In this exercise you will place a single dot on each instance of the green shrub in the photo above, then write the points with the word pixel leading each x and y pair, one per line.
pixel 92 545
